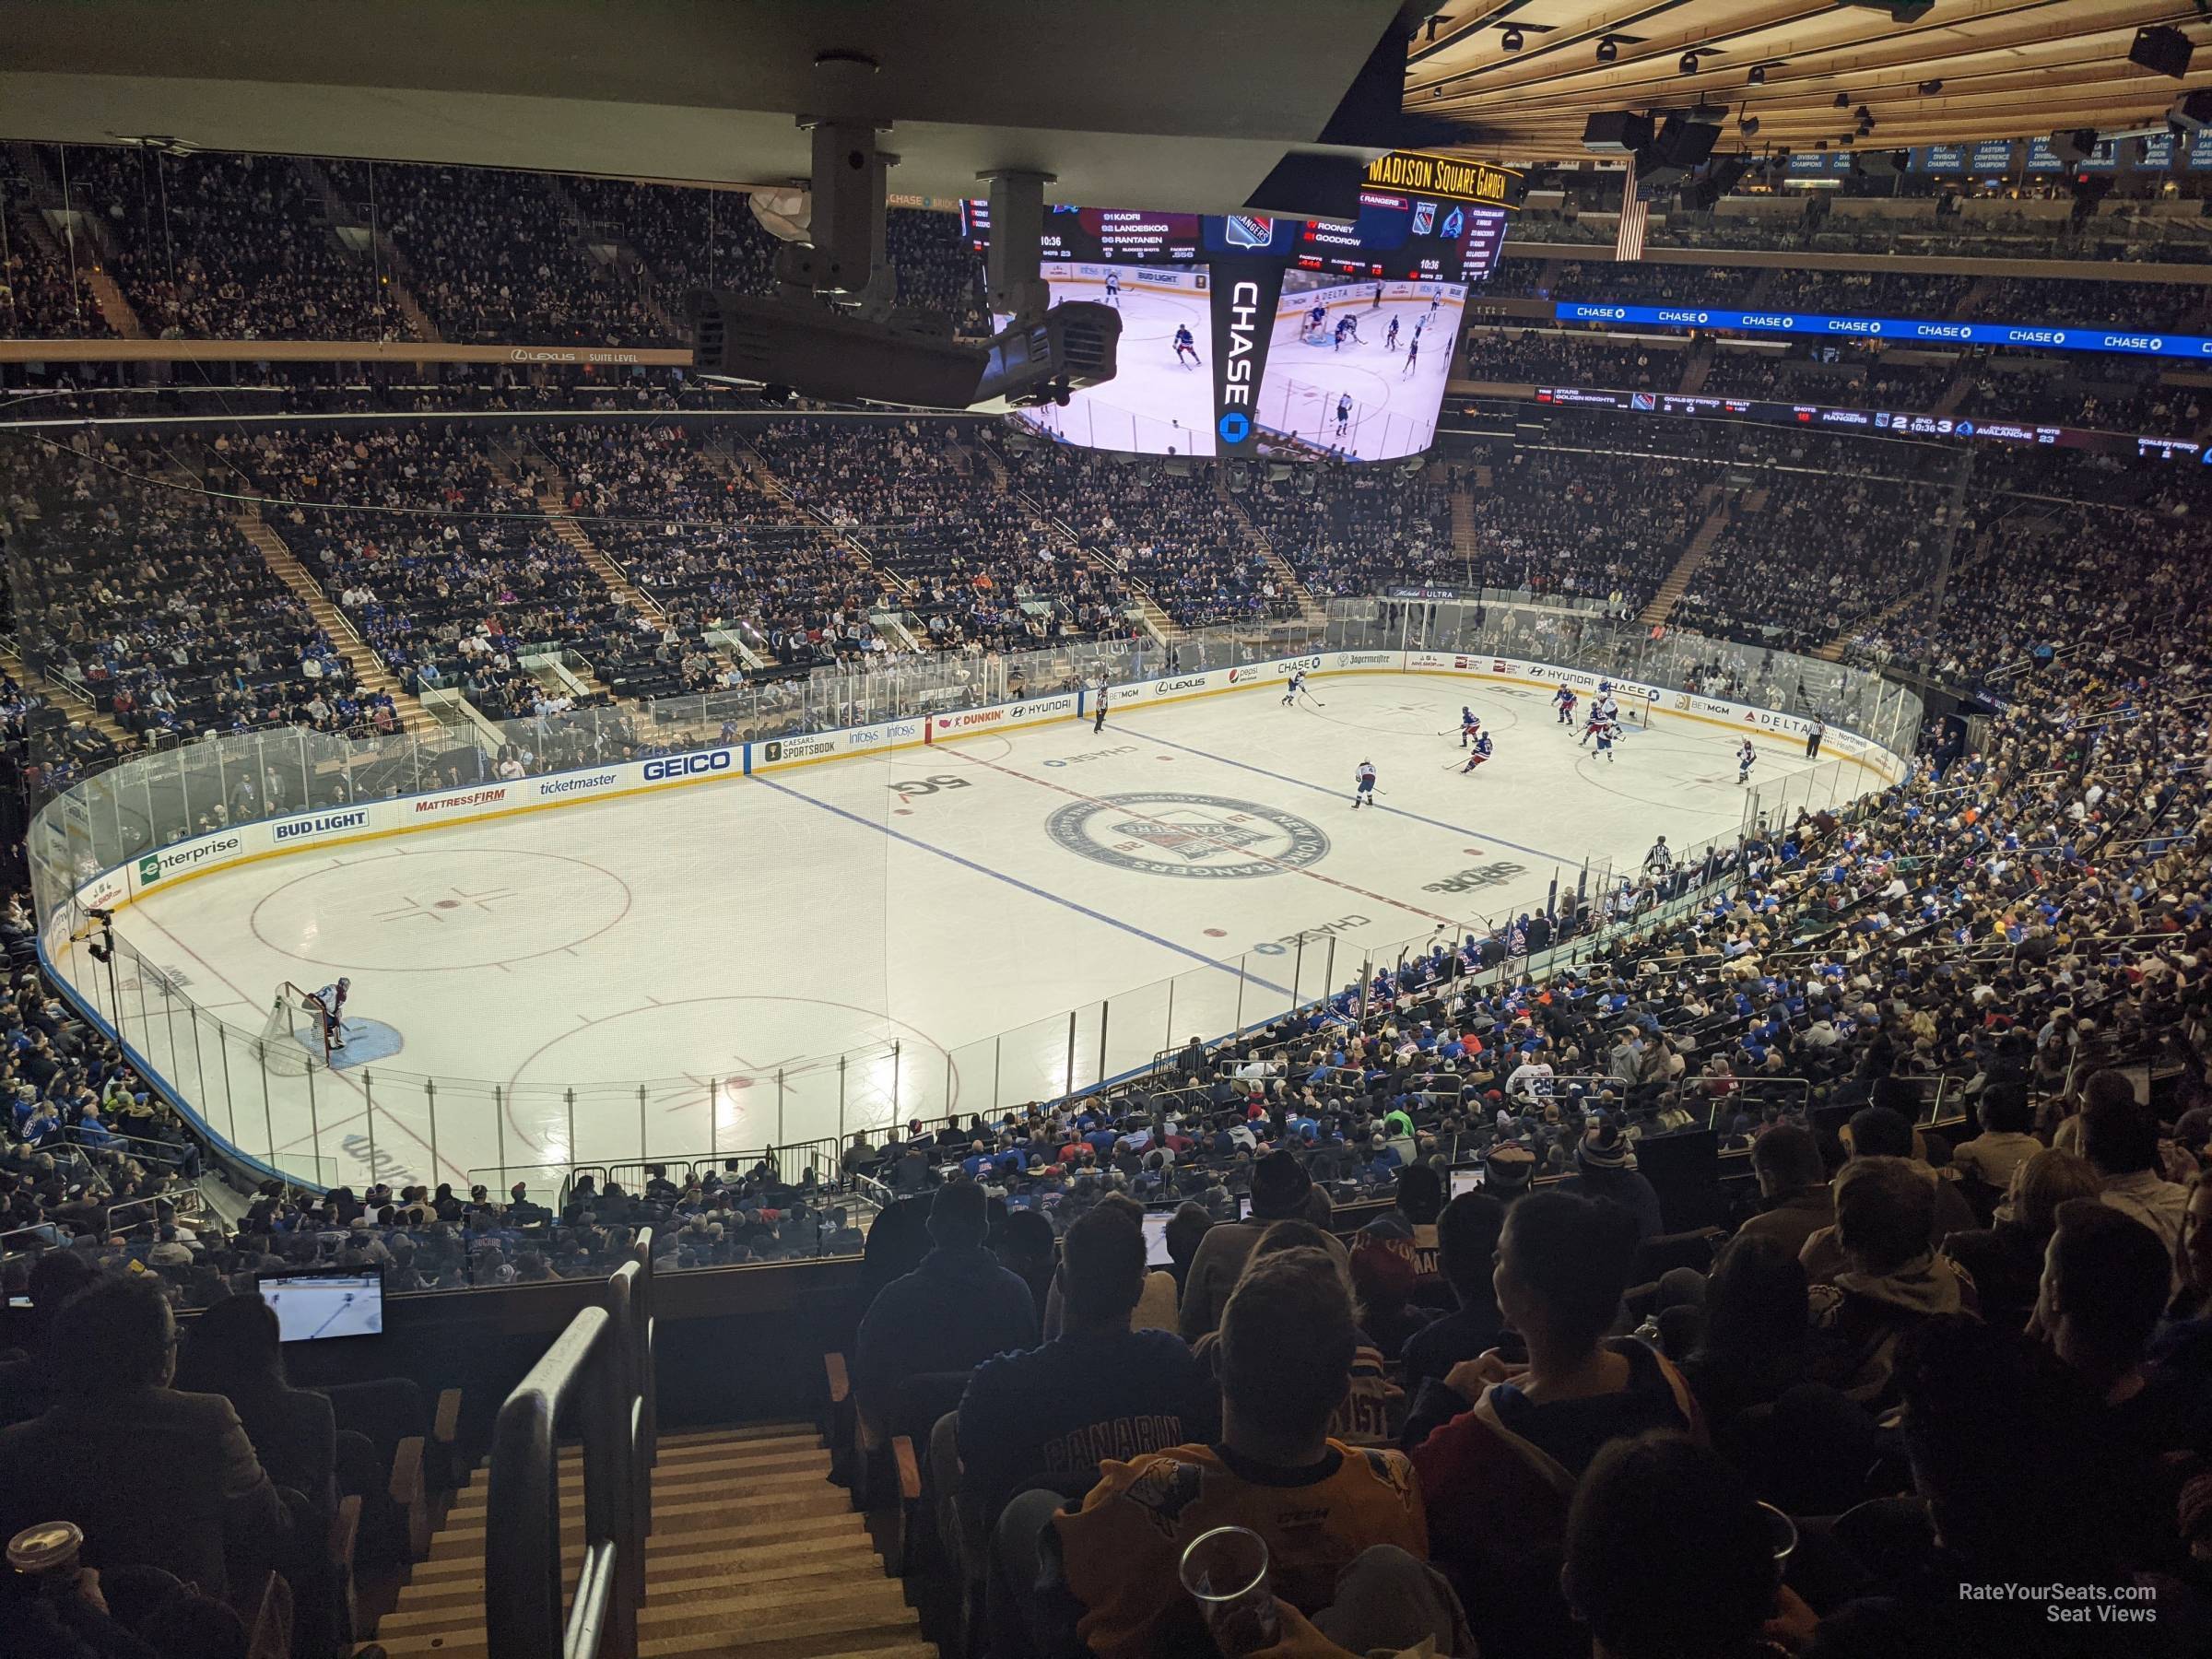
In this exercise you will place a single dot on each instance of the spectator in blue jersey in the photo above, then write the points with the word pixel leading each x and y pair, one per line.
pixel 1098 1390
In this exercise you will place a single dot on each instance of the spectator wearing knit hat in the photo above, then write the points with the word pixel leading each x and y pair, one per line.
pixel 1604 1169
pixel 1279 1190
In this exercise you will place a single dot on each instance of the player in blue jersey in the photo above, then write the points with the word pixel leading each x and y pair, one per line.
pixel 1744 758
pixel 1470 726
pixel 1364 796
pixel 1297 683
pixel 329 1006
pixel 1563 699
pixel 1345 330
pixel 1183 342
pixel 1317 319
pixel 1390 336
pixel 1478 754
pixel 1413 356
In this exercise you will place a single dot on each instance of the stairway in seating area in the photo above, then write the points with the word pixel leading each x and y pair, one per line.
pixel 367 667
pixel 1693 558
pixel 1464 542
pixel 1311 611
pixel 753 1555
pixel 67 700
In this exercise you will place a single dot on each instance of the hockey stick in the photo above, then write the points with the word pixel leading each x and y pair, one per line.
pixel 1310 698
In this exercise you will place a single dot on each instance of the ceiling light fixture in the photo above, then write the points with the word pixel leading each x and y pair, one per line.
pixel 1689 63
pixel 1515 39
pixel 1759 74
pixel 1842 101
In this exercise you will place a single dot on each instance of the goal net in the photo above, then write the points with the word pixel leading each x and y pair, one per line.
pixel 291 1036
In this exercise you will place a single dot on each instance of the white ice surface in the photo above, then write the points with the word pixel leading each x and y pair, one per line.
pixel 702 940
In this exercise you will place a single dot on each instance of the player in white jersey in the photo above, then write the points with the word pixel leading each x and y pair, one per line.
pixel 1297 683
pixel 1344 413
pixel 1744 758
pixel 1183 342
pixel 1478 754
pixel 1364 796
pixel 1606 733
pixel 1470 726
pixel 1113 288
pixel 329 1006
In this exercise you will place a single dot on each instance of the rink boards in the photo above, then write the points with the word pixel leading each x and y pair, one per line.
pixel 166 867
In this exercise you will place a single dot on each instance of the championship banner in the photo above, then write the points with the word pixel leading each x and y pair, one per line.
pixel 1246 287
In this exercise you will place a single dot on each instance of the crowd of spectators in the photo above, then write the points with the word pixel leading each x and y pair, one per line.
pixel 1877 381
pixel 212 247
pixel 982 567
pixel 1572 358
pixel 1359 531
pixel 439 555
pixel 1817 553
pixel 1549 522
pixel 139 590
pixel 1193 551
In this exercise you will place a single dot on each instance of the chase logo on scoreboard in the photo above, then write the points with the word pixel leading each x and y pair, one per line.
pixel 1200 837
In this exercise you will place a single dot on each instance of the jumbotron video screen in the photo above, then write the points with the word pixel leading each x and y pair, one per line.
pixel 1293 338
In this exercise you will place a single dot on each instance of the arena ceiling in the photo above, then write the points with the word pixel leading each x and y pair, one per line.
pixel 1173 104
pixel 1966 69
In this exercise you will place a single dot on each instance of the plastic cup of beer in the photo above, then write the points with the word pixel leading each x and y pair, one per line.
pixel 47 1552
pixel 1226 1572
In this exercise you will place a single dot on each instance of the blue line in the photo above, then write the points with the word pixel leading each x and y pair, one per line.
pixel 1012 881
pixel 1559 858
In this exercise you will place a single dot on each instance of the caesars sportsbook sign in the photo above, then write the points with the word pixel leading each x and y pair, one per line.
pixel 1246 256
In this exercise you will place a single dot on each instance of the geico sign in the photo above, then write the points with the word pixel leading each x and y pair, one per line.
pixel 686 766
pixel 328 823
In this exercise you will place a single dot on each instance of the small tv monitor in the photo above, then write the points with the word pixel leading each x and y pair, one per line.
pixel 320 1305
pixel 1156 1238
pixel 1469 1180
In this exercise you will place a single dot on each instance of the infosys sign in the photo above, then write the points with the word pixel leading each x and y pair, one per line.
pixel 321 824
pixel 155 865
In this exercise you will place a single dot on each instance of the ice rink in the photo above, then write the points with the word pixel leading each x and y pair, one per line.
pixel 1156 404
pixel 763 959
pixel 1393 408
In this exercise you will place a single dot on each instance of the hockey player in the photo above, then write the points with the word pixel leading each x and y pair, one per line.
pixel 1563 699
pixel 1390 336
pixel 1297 683
pixel 1435 304
pixel 1113 288
pixel 1744 758
pixel 1345 330
pixel 1606 733
pixel 1470 726
pixel 1183 342
pixel 1605 708
pixel 1478 754
pixel 1317 320
pixel 330 1006
pixel 1344 413
pixel 1413 356
pixel 1364 796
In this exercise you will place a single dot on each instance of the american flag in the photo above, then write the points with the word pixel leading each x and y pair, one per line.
pixel 1629 245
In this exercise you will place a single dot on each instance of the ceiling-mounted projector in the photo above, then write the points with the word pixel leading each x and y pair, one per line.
pixel 746 340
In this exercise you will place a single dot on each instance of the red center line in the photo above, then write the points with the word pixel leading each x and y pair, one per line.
pixel 1310 873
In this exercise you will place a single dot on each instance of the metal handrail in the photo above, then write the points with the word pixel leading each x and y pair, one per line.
pixel 602 1363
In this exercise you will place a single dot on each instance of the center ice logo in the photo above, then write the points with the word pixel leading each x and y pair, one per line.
pixel 1203 837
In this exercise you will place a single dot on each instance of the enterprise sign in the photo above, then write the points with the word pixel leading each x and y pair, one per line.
pixel 2054 337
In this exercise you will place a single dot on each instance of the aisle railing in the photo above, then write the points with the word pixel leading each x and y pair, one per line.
pixel 598 1377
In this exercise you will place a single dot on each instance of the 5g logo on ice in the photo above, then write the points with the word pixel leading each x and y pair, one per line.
pixel 928 786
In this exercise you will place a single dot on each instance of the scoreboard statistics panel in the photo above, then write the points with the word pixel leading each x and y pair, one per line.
pixel 1099 235
pixel 1406 238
